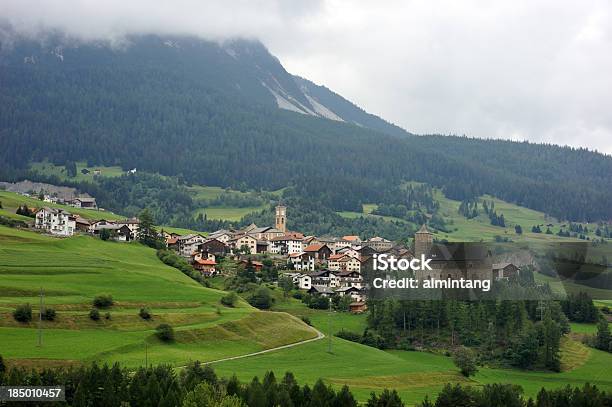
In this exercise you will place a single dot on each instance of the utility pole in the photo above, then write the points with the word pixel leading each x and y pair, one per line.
pixel 329 343
pixel 40 313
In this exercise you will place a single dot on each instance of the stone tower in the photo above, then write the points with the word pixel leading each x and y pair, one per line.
pixel 423 242
pixel 281 218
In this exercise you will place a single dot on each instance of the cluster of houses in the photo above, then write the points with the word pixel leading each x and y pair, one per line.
pixel 86 202
pixel 60 222
pixel 320 265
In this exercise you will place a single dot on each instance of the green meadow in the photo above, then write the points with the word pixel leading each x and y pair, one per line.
pixel 11 201
pixel 72 271
pixel 60 171
pixel 413 374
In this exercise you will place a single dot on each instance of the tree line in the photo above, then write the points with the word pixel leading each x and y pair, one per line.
pixel 197 385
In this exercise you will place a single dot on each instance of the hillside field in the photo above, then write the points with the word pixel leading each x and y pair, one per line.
pixel 72 271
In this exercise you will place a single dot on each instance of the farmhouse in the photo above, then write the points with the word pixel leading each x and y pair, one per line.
pixel 84 202
pixel 319 252
pixel 205 266
pixel 505 271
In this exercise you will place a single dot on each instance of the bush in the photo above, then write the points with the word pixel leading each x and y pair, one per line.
pixel 306 320
pixel 23 313
pixel 465 360
pixel 48 314
pixel 107 316
pixel 145 314
pixel 262 298
pixel 94 314
pixel 164 332
pixel 230 299
pixel 297 295
pixel 103 301
pixel 349 335
pixel 105 234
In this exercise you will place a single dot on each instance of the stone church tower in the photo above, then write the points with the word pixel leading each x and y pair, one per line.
pixel 281 218
pixel 423 242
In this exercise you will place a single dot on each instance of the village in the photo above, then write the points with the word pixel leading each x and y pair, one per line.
pixel 319 265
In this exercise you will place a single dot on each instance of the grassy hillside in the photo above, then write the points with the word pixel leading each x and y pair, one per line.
pixel 413 374
pixel 11 201
pixel 60 171
pixel 480 228
pixel 72 271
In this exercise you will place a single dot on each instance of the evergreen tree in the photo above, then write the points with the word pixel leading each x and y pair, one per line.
pixel 147 234
pixel 603 338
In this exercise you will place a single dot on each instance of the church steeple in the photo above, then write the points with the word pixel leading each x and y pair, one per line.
pixel 281 218
pixel 423 241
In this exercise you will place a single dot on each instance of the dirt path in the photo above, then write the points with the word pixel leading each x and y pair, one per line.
pixel 320 335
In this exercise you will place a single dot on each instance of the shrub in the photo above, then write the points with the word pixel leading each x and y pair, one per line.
pixel 103 301
pixel 164 332
pixel 262 298
pixel 23 313
pixel 48 314
pixel 94 314
pixel 297 295
pixel 349 335
pixel 105 234
pixel 230 299
pixel 107 316
pixel 144 313
pixel 465 360
pixel 306 320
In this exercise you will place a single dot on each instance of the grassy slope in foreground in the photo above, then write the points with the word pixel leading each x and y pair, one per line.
pixel 413 374
pixel 72 271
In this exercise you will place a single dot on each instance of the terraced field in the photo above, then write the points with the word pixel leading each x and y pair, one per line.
pixel 72 271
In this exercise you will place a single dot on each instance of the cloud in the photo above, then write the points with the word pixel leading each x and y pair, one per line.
pixel 511 69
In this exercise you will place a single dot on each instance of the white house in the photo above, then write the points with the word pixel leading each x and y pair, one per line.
pixel 55 221
pixel 188 244
pixel 286 244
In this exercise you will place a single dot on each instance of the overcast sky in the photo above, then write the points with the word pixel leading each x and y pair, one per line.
pixel 536 70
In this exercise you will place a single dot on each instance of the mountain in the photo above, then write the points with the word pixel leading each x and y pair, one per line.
pixel 229 114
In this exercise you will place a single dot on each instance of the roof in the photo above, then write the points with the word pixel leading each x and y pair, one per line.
pixel 424 230
pixel 346 273
pixel 314 247
pixel 285 237
pixel 84 199
pixel 53 210
pixel 130 220
pixel 345 289
pixel 260 230
pixel 206 262
pixel 350 238
pixel 498 266
pixel 318 273
pixel 296 254
pixel 379 239
pixel 336 256
pixel 172 240
pixel 108 226
pixel 322 289
pixel 80 219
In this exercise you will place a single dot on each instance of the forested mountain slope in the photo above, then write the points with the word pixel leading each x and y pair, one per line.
pixel 209 113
